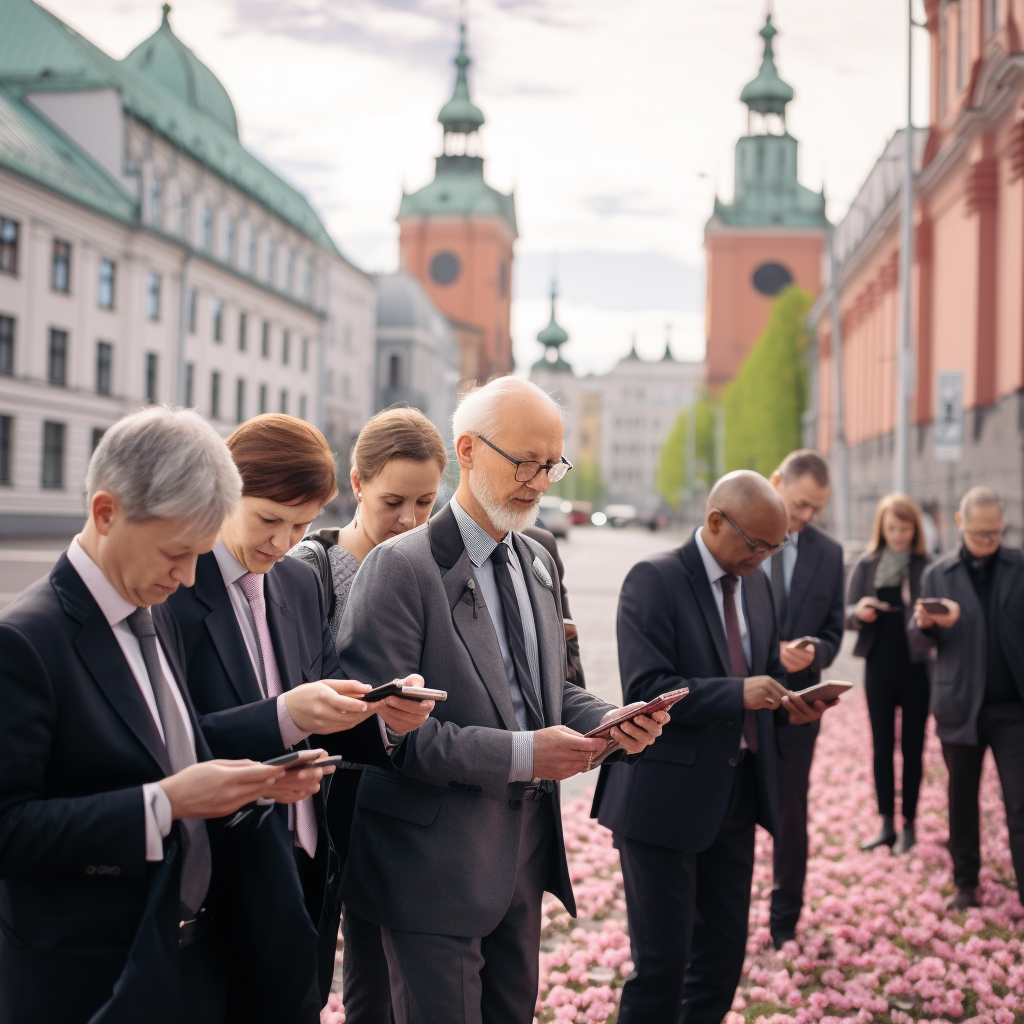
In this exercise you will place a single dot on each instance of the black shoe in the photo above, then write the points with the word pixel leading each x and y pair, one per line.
pixel 783 935
pixel 963 898
pixel 886 837
pixel 907 840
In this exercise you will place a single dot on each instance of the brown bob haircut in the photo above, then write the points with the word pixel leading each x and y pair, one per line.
pixel 283 459
pixel 903 508
pixel 397 433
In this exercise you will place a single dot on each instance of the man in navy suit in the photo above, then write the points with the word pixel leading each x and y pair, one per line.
pixel 110 879
pixel 683 817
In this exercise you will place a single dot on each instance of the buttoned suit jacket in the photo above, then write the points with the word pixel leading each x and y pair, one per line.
pixel 435 841
pixel 670 634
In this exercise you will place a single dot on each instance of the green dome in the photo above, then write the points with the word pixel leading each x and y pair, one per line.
pixel 554 334
pixel 163 58
pixel 767 94
pixel 460 114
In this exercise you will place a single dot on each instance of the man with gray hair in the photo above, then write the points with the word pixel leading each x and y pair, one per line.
pixel 452 851
pixel 977 677
pixel 108 872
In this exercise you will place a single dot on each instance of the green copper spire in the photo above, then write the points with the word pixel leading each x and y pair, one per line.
pixel 768 93
pixel 552 338
pixel 668 357
pixel 460 114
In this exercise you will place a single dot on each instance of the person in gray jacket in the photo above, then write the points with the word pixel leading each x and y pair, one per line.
pixel 977 678
pixel 451 852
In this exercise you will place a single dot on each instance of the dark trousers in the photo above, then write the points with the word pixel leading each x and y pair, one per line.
pixel 688 917
pixel 1000 727
pixel 321 877
pixel 789 853
pixel 365 985
pixel 488 980
pixel 887 689
pixel 203 982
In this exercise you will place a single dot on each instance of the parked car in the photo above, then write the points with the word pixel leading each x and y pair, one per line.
pixel 620 515
pixel 581 513
pixel 555 515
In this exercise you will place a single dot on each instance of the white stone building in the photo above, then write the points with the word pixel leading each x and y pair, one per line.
pixel 147 256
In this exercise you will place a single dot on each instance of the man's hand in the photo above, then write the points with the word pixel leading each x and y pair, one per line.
pixel 212 789
pixel 867 608
pixel 299 783
pixel 641 732
pixel 328 706
pixel 800 712
pixel 762 692
pixel 559 753
pixel 925 620
pixel 796 659
pixel 401 715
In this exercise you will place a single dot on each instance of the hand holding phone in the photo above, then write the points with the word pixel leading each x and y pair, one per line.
pixel 396 689
pixel 660 703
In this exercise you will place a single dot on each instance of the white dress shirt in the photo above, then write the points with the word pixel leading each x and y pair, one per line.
pixel 116 611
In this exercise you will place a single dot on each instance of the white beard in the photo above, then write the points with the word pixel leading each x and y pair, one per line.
pixel 508 518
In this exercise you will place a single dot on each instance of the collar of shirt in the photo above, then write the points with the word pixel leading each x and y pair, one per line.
pixel 479 543
pixel 230 568
pixel 114 607
pixel 794 539
pixel 711 567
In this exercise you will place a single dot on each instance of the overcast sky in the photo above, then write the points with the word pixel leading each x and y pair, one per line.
pixel 613 120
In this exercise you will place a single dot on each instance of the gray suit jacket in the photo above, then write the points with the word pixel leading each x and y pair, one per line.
pixel 435 842
pixel 960 654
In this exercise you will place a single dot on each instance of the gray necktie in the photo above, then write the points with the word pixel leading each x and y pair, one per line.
pixel 195 861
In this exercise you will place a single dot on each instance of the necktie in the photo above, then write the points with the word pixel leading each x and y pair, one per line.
pixel 252 587
pixel 516 636
pixel 778 570
pixel 737 656
pixel 196 860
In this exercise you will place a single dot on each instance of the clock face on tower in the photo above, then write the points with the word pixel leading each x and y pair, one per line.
pixel 444 268
pixel 771 278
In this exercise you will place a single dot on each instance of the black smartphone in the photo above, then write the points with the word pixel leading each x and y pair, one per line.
pixel 295 758
pixel 392 689
pixel 395 689
pixel 324 762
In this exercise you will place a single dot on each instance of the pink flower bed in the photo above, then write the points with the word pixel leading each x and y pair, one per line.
pixel 875 941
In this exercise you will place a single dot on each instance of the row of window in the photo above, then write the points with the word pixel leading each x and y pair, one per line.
pixel 217 311
pixel 989 10
pixel 216 406
pixel 52 465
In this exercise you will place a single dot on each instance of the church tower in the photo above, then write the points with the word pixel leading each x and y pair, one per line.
pixel 770 236
pixel 457 233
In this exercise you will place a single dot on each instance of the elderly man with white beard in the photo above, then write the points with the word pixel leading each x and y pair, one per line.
pixel 452 850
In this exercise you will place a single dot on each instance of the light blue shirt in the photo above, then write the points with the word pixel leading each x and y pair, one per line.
pixel 715 573
pixel 480 546
pixel 788 555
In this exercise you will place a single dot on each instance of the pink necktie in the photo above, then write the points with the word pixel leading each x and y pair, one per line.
pixel 252 587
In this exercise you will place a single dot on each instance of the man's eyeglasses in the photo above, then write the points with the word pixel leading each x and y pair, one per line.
pixel 526 469
pixel 758 547
pixel 984 536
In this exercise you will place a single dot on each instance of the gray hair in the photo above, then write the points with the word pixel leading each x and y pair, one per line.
pixel 479 412
pixel 164 462
pixel 979 497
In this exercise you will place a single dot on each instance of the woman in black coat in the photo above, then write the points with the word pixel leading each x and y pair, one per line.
pixel 884 585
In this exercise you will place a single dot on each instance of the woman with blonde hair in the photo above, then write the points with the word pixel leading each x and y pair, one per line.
pixel 884 586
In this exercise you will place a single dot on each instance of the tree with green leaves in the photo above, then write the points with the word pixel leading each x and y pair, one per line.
pixel 765 401
pixel 673 475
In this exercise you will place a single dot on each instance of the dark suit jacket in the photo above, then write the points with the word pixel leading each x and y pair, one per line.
pixel 670 635
pixel 815 604
pixel 959 655
pixel 862 584
pixel 435 843
pixel 574 666
pixel 88 929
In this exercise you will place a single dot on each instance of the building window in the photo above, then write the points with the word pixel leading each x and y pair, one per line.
pixel 6 447
pixel 151 369
pixel 229 241
pixel 242 323
pixel 60 278
pixel 190 382
pixel 240 401
pixel 57 368
pixel 302 407
pixel 963 44
pixel 271 261
pixel 265 340
pixel 154 201
pixel 7 346
pixel 207 229
pixel 250 259
pixel 346 386
pixel 286 345
pixel 106 292
pixel 263 399
pixel 8 245
pixel 97 436
pixel 502 280
pixel 305 354
pixel 218 319
pixel 215 395
pixel 104 367
pixel 53 455
pixel 191 315
pixel 284 402
pixel 395 372
pixel 183 217
pixel 307 281
pixel 153 297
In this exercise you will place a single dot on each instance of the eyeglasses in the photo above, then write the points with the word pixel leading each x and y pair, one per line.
pixel 526 470
pixel 758 547
pixel 984 536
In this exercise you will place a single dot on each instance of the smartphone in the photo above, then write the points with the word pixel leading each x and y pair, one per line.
pixel 831 689
pixel 295 758
pixel 326 762
pixel 662 703
pixel 934 606
pixel 396 689
pixel 803 643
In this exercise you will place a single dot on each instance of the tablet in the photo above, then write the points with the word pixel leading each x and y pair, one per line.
pixel 830 689
pixel 662 703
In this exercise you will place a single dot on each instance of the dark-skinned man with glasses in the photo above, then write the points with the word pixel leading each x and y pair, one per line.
pixel 976 647
pixel 683 818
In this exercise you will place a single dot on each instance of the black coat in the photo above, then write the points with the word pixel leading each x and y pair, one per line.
pixel 862 584
pixel 670 635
